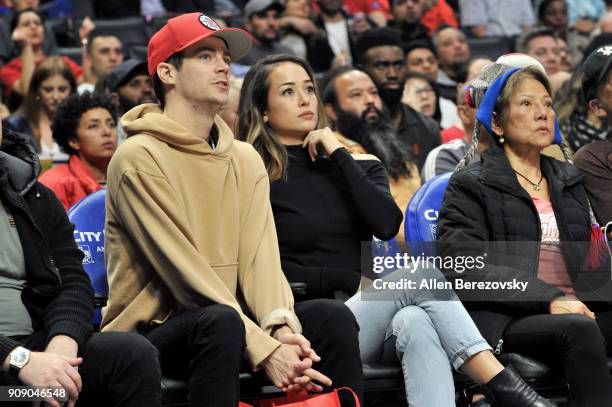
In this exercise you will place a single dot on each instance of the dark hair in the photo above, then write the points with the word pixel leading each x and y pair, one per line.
pixel 69 113
pixel 17 16
pixel 417 44
pixel 435 39
pixel 96 34
pixel 48 68
pixel 175 59
pixel 522 43
pixel 437 116
pixel 252 127
pixel 376 37
pixel 544 6
pixel 328 84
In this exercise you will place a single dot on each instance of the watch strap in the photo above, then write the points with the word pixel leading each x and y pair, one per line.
pixel 14 370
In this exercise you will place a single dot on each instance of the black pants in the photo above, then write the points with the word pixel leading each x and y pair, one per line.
pixel 206 346
pixel 119 369
pixel 576 343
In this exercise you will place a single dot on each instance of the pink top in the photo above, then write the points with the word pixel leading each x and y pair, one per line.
pixel 552 268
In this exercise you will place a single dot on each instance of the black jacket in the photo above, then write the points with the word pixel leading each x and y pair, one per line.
pixel 58 292
pixel 318 59
pixel 410 32
pixel 485 202
pixel 318 51
pixel 420 132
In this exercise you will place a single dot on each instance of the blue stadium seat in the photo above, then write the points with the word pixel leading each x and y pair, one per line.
pixel 88 217
pixel 422 214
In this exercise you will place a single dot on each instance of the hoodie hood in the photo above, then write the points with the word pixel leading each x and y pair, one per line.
pixel 149 119
pixel 19 165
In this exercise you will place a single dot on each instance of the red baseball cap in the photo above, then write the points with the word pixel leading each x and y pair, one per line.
pixel 187 29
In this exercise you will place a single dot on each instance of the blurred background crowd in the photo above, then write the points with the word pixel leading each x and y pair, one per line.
pixel 55 50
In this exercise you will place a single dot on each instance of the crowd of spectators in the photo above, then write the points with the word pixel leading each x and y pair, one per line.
pixel 391 90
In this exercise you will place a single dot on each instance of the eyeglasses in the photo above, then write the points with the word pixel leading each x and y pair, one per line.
pixel 424 91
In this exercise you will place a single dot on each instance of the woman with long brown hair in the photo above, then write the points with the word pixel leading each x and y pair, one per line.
pixel 326 202
pixel 51 83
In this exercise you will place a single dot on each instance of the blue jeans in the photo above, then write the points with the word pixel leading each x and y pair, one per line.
pixel 428 331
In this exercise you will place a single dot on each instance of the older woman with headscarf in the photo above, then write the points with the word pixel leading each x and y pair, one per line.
pixel 516 194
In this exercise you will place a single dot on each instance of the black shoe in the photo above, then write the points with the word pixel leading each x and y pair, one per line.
pixel 508 389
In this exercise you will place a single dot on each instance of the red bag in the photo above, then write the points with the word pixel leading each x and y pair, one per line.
pixel 304 399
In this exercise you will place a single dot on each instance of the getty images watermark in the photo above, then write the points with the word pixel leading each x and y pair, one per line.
pixel 460 264
pixel 483 271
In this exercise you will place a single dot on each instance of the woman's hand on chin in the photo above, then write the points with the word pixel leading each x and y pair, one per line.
pixel 325 138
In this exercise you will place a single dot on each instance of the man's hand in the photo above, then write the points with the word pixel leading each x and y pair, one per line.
pixel 303 375
pixel 305 381
pixel 342 59
pixel 284 365
pixel 53 370
pixel 63 345
pixel 67 348
pixel 569 305
pixel 303 25
pixel 289 338
pixel 86 27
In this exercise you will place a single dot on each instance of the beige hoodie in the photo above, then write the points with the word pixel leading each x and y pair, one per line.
pixel 186 224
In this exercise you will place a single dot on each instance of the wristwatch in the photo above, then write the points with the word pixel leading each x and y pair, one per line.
pixel 20 357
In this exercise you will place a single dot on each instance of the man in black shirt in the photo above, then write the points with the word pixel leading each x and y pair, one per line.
pixel 46 301
pixel 407 16
pixel 381 56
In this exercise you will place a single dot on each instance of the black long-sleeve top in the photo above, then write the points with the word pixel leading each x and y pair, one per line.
pixel 323 211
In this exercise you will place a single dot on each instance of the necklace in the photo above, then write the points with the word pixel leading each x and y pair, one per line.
pixel 536 186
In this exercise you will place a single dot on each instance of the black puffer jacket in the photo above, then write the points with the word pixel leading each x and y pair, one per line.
pixel 485 202
pixel 58 292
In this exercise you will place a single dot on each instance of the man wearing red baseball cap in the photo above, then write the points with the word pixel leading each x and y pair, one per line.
pixel 191 246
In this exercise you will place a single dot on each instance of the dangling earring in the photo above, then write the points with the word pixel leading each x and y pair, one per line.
pixel 265 118
pixel 501 140
pixel 37 97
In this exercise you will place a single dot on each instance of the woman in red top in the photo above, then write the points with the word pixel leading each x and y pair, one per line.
pixel 85 128
pixel 28 32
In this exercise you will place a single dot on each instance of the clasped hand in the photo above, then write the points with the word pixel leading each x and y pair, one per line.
pixel 57 366
pixel 289 367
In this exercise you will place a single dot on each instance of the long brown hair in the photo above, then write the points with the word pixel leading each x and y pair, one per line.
pixel 32 105
pixel 254 102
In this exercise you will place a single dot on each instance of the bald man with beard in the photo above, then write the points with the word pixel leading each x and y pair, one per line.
pixel 363 125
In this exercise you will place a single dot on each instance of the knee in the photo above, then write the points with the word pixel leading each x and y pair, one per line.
pixel 337 324
pixel 132 351
pixel 336 314
pixel 582 334
pixel 412 326
pixel 224 321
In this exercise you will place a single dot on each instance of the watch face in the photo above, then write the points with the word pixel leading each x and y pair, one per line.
pixel 19 357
